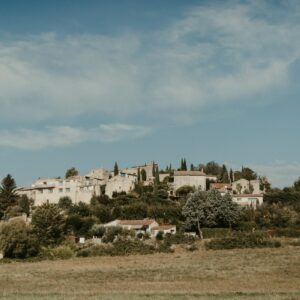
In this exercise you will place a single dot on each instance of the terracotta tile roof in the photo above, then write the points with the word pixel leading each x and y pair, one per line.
pixel 189 173
pixel 136 222
pixel 219 186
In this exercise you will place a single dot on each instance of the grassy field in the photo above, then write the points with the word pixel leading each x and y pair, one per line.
pixel 228 274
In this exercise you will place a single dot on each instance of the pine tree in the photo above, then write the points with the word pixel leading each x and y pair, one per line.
pixel 192 167
pixel 116 169
pixel 8 195
pixel 181 165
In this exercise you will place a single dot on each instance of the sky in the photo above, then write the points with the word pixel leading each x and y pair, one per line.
pixel 88 83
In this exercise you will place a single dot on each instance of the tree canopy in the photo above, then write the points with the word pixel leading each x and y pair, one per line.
pixel 8 195
pixel 71 172
pixel 208 209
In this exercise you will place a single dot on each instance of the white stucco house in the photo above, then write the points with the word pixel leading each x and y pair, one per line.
pixel 195 179
pixel 149 226
pixel 252 200
pixel 78 188
pixel 243 186
pixel 123 182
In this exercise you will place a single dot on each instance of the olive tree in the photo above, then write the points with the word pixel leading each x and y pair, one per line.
pixel 208 209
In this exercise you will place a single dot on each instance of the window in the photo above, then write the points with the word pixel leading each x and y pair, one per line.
pixel 60 190
pixel 50 191
pixel 41 191
pixel 68 190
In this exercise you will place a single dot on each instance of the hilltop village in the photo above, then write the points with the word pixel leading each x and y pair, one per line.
pixel 81 188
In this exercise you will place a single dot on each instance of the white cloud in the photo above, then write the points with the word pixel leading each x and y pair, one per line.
pixel 214 54
pixel 62 136
pixel 280 173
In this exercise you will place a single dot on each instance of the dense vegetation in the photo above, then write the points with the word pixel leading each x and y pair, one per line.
pixel 208 214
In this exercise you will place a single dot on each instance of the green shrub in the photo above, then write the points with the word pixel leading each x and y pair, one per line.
pixel 97 230
pixel 60 252
pixel 17 240
pixel 209 233
pixel 160 236
pixel 242 240
pixel 111 233
pixel 179 238
pixel 286 232
pixel 247 226
pixel 123 247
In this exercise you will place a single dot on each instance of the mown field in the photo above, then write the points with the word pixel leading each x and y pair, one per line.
pixel 223 274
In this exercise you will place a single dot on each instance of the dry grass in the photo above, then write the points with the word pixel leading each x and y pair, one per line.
pixel 228 274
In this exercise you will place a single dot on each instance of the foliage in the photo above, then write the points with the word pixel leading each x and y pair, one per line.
pixel 48 224
pixel 71 172
pixel 65 203
pixel 59 252
pixel 116 169
pixel 209 233
pixel 289 198
pixel 143 175
pixel 134 211
pixel 208 209
pixel 159 236
pixel 297 185
pixel 245 173
pixel 224 175
pixel 179 238
pixel 275 215
pixel 242 240
pixel 17 240
pixel 80 209
pixel 102 212
pixel 97 230
pixel 25 204
pixel 79 226
pixel 185 190
pixel 8 195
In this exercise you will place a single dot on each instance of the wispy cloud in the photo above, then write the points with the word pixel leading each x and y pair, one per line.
pixel 280 173
pixel 62 136
pixel 212 55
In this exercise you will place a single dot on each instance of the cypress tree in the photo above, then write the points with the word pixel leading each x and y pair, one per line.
pixel 116 169
pixel 231 176
pixel 156 175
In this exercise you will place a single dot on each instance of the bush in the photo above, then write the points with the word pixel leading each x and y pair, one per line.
pixel 97 230
pixel 209 233
pixel 160 236
pixel 179 238
pixel 123 247
pixel 48 224
pixel 242 240
pixel 60 252
pixel 17 240
pixel 112 232
pixel 286 232
pixel 247 226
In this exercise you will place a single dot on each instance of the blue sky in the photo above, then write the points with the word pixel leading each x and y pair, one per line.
pixel 88 83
